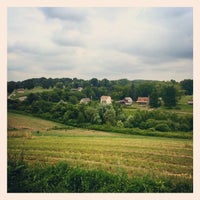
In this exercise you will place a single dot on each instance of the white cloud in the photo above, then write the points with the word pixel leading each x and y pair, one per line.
pixel 148 43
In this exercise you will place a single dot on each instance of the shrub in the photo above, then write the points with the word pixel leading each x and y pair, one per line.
pixel 184 127
pixel 120 124
pixel 162 127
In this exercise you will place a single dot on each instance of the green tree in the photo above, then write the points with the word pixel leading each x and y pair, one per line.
pixel 94 82
pixel 58 110
pixel 32 97
pixel 45 83
pixel 29 84
pixel 153 101
pixel 11 86
pixel 169 96
pixel 187 85
pixel 92 115
pixel 105 82
pixel 144 89
pixel 133 91
pixel 59 85
pixel 73 99
pixel 110 116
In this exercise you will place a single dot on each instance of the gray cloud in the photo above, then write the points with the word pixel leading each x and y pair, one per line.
pixel 70 14
pixel 68 38
pixel 148 43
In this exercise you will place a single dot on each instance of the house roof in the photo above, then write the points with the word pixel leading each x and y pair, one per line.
pixel 128 99
pixel 104 98
pixel 142 99
pixel 85 100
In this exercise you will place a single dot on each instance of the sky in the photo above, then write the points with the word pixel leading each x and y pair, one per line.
pixel 108 42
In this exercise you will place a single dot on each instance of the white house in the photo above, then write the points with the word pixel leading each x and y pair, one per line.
pixel 106 100
pixel 128 101
pixel 85 100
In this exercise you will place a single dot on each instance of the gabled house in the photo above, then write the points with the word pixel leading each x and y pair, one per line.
pixel 85 100
pixel 143 100
pixel 106 100
pixel 128 101
pixel 79 89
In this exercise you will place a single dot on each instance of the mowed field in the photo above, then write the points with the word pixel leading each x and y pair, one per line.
pixel 43 141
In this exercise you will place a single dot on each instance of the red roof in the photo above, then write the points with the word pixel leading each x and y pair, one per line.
pixel 142 100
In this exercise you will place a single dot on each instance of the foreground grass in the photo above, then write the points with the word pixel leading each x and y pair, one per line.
pixel 63 178
pixel 162 159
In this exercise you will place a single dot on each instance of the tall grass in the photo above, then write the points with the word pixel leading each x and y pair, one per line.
pixel 93 161
pixel 64 178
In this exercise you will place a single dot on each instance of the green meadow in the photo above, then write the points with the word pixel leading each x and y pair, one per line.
pixel 34 142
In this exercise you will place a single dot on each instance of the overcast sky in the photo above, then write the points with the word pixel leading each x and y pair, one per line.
pixel 112 43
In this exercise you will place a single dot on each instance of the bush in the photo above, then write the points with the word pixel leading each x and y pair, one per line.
pixel 162 127
pixel 120 124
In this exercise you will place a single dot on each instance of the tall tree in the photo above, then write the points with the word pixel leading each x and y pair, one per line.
pixel 59 85
pixel 29 84
pixel 11 86
pixel 169 96
pixel 187 85
pixel 153 101
pixel 94 82
pixel 110 116
pixel 133 91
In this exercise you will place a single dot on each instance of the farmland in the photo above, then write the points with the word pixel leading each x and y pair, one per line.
pixel 40 141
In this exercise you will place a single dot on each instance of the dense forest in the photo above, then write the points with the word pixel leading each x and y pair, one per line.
pixel 60 102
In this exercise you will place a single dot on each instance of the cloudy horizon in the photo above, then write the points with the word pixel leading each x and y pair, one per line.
pixel 111 42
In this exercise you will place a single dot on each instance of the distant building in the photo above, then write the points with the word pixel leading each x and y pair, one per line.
pixel 20 90
pixel 126 101
pixel 143 100
pixel 85 100
pixel 79 89
pixel 190 102
pixel 23 98
pixel 106 100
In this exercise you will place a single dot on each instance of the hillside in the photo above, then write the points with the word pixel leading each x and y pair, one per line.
pixel 40 141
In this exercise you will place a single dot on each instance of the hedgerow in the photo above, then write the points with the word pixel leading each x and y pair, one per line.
pixel 66 179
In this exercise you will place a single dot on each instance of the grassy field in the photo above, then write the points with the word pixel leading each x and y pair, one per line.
pixel 181 108
pixel 16 95
pixel 47 142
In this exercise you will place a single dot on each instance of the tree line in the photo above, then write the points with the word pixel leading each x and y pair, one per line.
pixel 106 115
pixel 62 103
pixel 170 91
